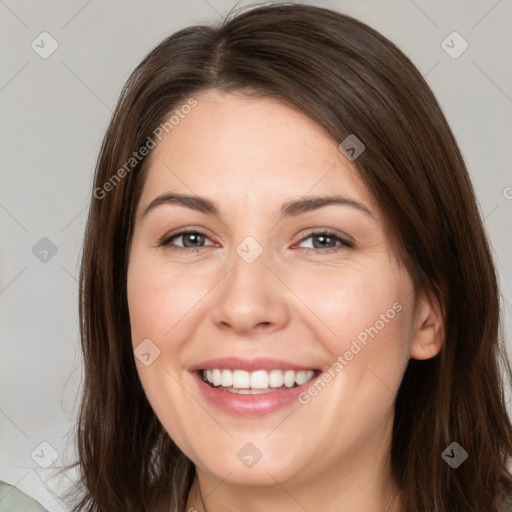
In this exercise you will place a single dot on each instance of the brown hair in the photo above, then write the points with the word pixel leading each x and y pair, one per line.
pixel 350 80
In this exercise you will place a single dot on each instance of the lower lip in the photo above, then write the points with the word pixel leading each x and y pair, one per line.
pixel 250 405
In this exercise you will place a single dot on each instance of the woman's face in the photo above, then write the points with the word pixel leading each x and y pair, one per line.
pixel 258 292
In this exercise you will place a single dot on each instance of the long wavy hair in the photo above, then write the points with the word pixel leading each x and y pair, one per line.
pixel 350 80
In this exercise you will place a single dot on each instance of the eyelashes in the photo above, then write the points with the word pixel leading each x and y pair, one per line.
pixel 199 236
pixel 343 242
pixel 167 240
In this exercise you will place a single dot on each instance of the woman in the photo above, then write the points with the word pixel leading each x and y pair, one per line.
pixel 288 300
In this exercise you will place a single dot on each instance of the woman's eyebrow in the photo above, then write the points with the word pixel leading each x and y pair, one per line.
pixel 290 208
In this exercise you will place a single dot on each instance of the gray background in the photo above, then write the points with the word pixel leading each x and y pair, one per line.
pixel 54 115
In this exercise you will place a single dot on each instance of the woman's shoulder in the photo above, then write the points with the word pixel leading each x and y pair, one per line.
pixel 14 500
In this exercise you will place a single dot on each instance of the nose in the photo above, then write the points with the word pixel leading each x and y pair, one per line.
pixel 251 297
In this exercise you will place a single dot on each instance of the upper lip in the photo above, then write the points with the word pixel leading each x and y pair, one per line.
pixel 258 363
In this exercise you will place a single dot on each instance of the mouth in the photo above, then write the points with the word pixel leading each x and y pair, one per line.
pixel 256 382
pixel 252 386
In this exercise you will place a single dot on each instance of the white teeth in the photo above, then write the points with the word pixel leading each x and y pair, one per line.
pixel 216 377
pixel 276 379
pixel 226 379
pixel 260 379
pixel 289 378
pixel 241 379
pixel 301 378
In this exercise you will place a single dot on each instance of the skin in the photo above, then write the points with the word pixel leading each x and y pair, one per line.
pixel 250 156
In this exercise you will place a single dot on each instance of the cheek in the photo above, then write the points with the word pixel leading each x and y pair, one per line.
pixel 159 299
pixel 362 317
pixel 362 313
pixel 347 300
pixel 161 305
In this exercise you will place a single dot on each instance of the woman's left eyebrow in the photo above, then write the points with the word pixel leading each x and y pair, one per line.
pixel 292 207
pixel 296 207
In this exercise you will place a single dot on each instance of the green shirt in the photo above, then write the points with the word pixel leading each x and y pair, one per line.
pixel 14 500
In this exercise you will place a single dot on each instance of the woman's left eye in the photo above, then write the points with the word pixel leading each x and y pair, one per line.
pixel 328 241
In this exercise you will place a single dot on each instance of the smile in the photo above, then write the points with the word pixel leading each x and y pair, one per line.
pixel 256 382
pixel 252 386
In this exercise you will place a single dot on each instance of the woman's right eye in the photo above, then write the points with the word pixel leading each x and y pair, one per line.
pixel 188 237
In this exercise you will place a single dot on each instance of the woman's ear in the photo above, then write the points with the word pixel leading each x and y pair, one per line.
pixel 428 328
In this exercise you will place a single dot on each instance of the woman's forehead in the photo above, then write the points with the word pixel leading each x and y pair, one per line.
pixel 234 145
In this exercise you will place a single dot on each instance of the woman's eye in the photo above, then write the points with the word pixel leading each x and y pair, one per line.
pixel 322 241
pixel 326 241
pixel 190 240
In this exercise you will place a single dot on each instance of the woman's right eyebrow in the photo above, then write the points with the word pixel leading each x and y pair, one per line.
pixel 198 203
pixel 292 207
